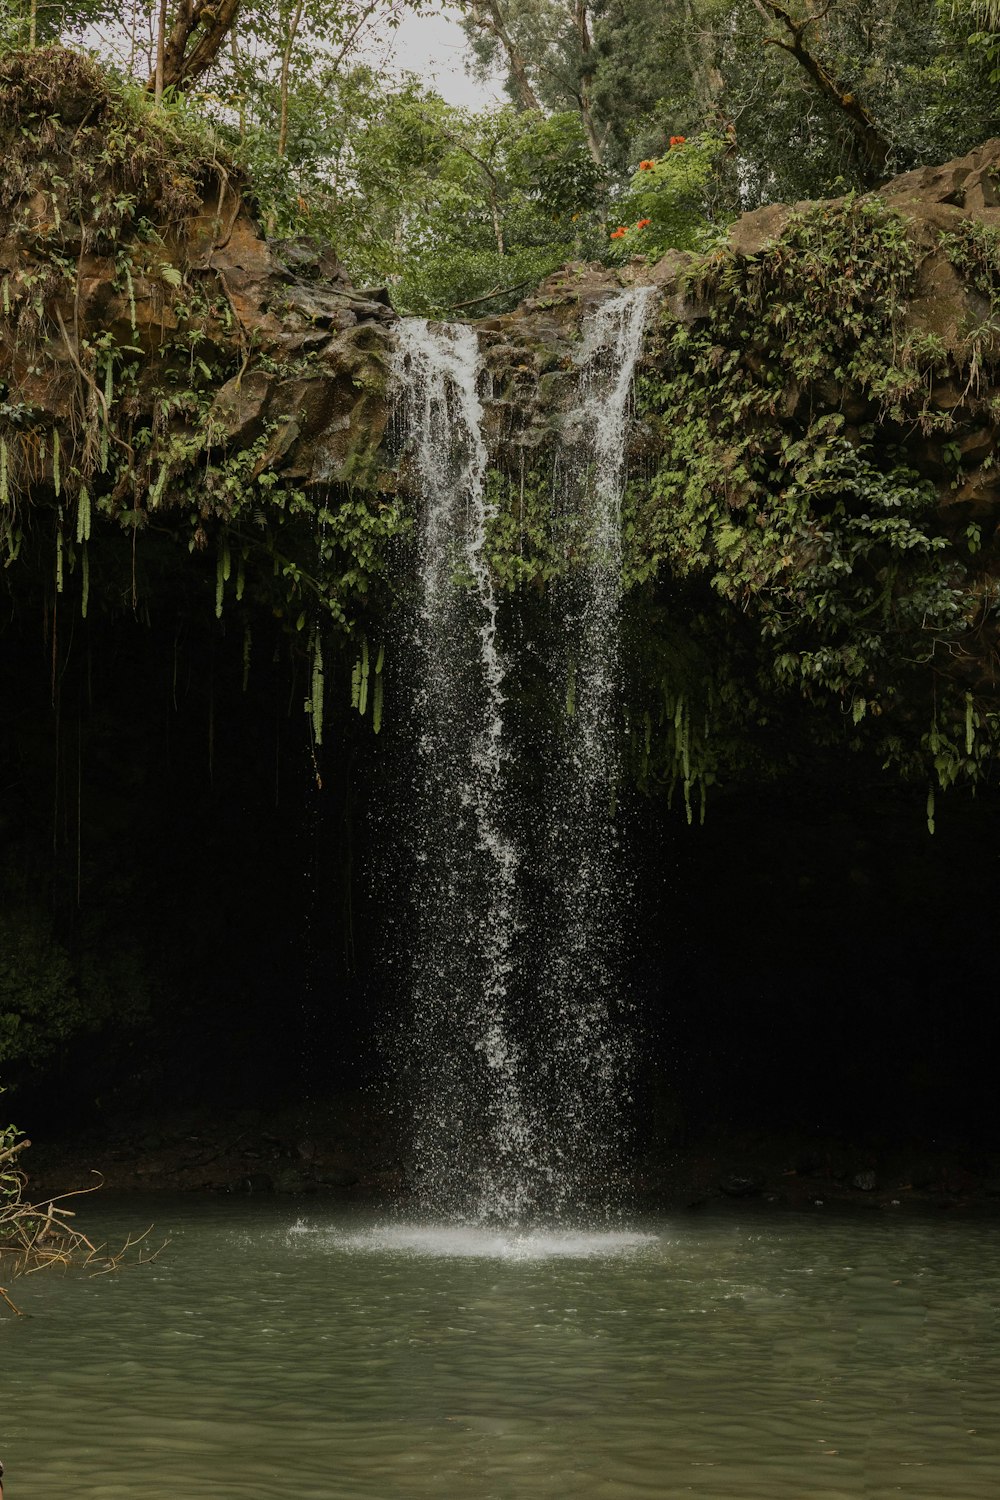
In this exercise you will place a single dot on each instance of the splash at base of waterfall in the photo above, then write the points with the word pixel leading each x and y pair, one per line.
pixel 474 1242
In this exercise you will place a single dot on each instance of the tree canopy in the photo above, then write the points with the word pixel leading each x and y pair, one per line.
pixel 621 113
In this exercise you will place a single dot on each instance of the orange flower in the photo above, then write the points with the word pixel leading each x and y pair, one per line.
pixel 677 140
pixel 618 233
pixel 644 166
pixel 643 223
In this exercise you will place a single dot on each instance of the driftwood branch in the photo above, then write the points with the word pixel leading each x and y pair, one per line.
pixel 11 1151
pixel 13 1307
pixel 498 291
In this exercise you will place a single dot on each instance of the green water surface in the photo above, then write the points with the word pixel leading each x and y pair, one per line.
pixel 321 1355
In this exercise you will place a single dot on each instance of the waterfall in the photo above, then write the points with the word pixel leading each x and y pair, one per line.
pixel 612 343
pixel 518 1059
pixel 588 1055
pixel 471 1130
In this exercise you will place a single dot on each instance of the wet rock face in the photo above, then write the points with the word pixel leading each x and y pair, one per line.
pixel 137 253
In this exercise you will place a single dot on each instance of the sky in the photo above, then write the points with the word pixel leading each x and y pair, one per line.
pixel 434 46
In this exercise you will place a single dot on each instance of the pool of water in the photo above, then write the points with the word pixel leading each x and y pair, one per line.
pixel 325 1356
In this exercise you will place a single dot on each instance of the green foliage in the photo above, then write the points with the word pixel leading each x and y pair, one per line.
pixel 40 1003
pixel 554 163
pixel 661 74
pixel 25 23
pixel 672 202
pixel 451 206
pixel 524 545
pixel 786 506
pixel 974 250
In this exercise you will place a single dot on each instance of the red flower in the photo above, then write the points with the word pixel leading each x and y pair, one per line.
pixel 618 233
pixel 645 166
pixel 677 140
pixel 643 223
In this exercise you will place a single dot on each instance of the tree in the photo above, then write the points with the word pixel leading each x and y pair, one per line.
pixel 36 23
pixel 466 210
pixel 548 48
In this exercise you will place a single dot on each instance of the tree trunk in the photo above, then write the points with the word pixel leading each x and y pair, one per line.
pixel 488 15
pixel 582 25
pixel 194 41
pixel 241 100
pixel 161 43
pixel 294 22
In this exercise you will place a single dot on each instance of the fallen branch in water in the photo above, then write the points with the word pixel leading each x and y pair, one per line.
pixel 35 1236
pixel 10 1304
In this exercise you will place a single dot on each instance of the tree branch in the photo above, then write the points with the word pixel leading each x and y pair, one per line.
pixel 498 291
pixel 875 146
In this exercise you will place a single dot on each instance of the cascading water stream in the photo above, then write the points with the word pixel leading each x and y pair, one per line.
pixel 587 1057
pixel 471 1130
pixel 517 1053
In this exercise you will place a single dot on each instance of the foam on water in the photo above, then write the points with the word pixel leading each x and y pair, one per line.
pixel 478 1242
